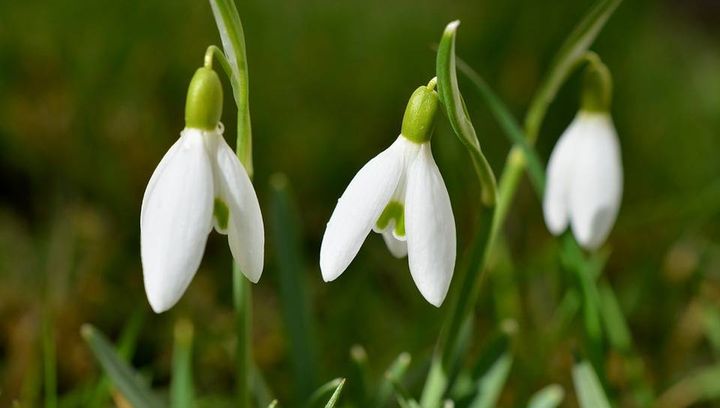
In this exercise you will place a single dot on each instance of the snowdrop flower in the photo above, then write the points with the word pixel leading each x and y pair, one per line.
pixel 401 195
pixel 199 184
pixel 584 174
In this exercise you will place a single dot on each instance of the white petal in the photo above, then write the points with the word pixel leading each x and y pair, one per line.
pixel 246 233
pixel 359 207
pixel 430 228
pixel 597 184
pixel 398 248
pixel 556 200
pixel 175 220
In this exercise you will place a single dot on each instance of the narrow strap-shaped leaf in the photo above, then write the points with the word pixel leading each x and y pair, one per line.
pixel 394 374
pixel 455 109
pixel 120 373
pixel 587 386
pixel 615 324
pixel 273 404
pixel 702 386
pixel 491 384
pixel 285 229
pixel 323 390
pixel 125 349
pixel 229 25
pixel 49 361
pixel 261 391
pixel 549 397
pixel 335 397
pixel 509 125
pixel 181 387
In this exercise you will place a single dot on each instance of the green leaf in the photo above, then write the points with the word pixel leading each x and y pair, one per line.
pixel 491 384
pixel 260 389
pixel 230 28
pixel 508 124
pixel 273 404
pixel 394 374
pixel 49 361
pixel 566 60
pixel 711 323
pixel 287 240
pixel 615 324
pixel 181 388
pixel 456 112
pixel 336 395
pixel 702 386
pixel 125 379
pixel 549 397
pixel 587 387
pixel 323 390
pixel 125 349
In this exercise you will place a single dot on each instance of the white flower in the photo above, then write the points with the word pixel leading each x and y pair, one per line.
pixel 198 184
pixel 585 180
pixel 400 194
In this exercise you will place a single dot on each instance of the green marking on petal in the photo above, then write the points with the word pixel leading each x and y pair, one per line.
pixel 221 213
pixel 394 211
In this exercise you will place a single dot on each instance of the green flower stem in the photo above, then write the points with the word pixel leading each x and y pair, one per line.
pixel 496 200
pixel 234 62
pixel 229 25
pixel 242 301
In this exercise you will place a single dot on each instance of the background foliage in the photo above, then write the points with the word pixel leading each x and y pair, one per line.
pixel 92 94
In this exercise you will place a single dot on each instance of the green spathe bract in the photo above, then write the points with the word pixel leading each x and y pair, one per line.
pixel 203 107
pixel 597 86
pixel 419 120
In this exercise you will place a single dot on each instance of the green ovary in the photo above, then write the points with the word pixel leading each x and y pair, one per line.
pixel 221 213
pixel 394 211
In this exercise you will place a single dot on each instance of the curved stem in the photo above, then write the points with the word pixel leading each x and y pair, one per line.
pixel 234 63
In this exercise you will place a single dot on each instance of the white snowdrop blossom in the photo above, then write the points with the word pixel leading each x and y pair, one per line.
pixel 199 184
pixel 401 195
pixel 585 180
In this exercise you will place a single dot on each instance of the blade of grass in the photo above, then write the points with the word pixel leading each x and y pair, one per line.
pixel 49 361
pixel 615 324
pixel 120 373
pixel 394 374
pixel 702 386
pixel 587 387
pixel 323 390
pixel 125 349
pixel 181 387
pixel 548 397
pixel 286 234
pixel 335 397
pixel 491 384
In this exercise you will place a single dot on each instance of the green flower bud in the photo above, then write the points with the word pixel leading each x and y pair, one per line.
pixel 597 87
pixel 204 100
pixel 419 120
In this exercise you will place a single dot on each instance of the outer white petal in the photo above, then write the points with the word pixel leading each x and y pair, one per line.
pixel 175 220
pixel 430 228
pixel 597 184
pixel 246 233
pixel 398 248
pixel 560 170
pixel 359 208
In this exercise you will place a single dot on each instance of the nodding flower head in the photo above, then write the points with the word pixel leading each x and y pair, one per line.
pixel 584 174
pixel 199 184
pixel 401 195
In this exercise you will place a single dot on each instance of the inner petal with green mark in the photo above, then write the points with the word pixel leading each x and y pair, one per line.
pixel 393 212
pixel 221 214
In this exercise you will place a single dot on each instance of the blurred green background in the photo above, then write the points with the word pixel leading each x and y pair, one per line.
pixel 92 95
